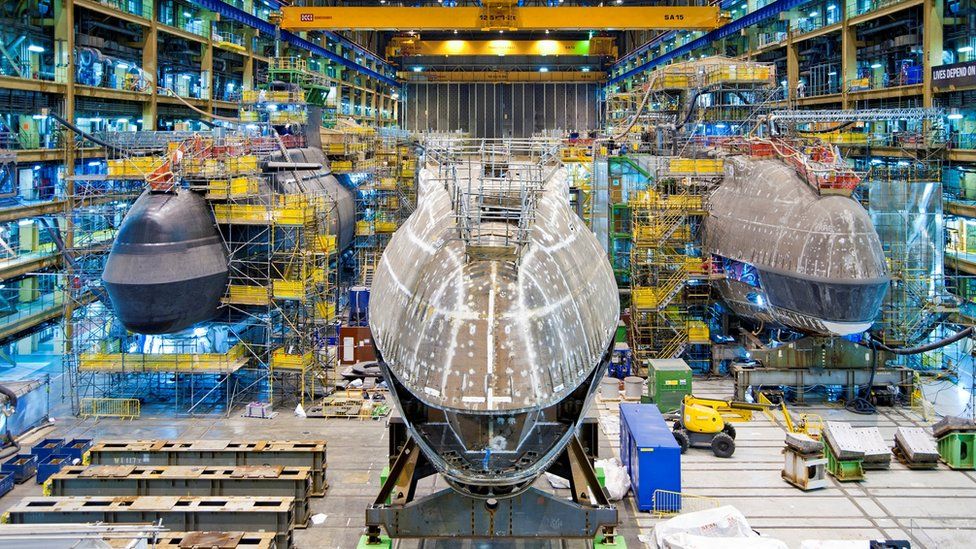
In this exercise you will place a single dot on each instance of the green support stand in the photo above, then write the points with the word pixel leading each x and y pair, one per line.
pixel 601 477
pixel 620 543
pixel 385 543
pixel 956 450
pixel 843 470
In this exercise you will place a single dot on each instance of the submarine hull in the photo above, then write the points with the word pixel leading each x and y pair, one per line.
pixel 492 360
pixel 792 257
pixel 168 268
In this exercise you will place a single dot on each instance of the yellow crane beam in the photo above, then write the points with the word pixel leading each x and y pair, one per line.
pixel 502 17
pixel 500 77
pixel 409 46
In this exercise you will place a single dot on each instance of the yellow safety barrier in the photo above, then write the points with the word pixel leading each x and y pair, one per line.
pixel 124 408
pixel 696 166
pixel 672 81
pixel 232 360
pixel 287 289
pixel 237 187
pixel 698 332
pixel 643 298
pixel 386 226
pixel 135 167
pixel 325 243
pixel 282 360
pixel 242 294
pixel 665 503
pixel 325 310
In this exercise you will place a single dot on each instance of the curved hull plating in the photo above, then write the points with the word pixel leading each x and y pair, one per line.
pixel 167 268
pixel 793 257
pixel 492 361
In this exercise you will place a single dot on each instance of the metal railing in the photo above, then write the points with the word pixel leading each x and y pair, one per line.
pixel 665 503
pixel 494 187
pixel 123 408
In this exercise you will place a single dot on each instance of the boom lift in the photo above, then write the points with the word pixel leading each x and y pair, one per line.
pixel 708 422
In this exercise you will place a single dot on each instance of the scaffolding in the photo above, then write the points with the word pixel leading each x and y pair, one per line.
pixel 668 274
pixel 386 196
pixel 269 337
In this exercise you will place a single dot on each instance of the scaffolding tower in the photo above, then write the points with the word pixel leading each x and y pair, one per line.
pixel 269 337
pixel 669 275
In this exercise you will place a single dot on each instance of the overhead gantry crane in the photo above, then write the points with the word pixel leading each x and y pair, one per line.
pixel 502 15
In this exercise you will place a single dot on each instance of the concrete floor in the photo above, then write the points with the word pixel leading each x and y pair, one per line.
pixel 931 508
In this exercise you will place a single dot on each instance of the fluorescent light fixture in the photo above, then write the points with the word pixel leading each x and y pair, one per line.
pixel 585 69
pixel 814 13
pixel 122 121
pixel 783 82
pixel 187 14
pixel 122 65
pixel 34 48
pixel 418 69
pixel 965 49
pixel 620 2
pixel 875 65
pixel 93 163
pixel 955 116
pixel 831 7
pixel 832 73
pixel 720 126
pixel 543 69
pixel 38 117
pixel 96 119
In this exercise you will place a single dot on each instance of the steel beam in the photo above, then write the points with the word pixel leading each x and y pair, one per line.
pixel 488 17
pixel 305 453
pixel 170 480
pixel 798 378
pixel 187 513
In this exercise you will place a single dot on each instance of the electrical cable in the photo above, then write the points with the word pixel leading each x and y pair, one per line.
pixel 87 136
pixel 861 404
pixel 872 343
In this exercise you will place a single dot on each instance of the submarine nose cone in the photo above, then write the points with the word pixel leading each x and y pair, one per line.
pixel 168 268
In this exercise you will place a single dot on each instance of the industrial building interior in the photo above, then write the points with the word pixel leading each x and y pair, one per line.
pixel 487 273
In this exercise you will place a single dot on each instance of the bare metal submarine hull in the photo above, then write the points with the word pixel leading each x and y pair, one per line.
pixel 492 361
pixel 792 257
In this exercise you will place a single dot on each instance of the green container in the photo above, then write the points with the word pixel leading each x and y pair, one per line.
pixel 849 470
pixel 668 381
pixel 620 336
pixel 957 450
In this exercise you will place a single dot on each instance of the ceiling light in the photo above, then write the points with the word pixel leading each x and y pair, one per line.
pixel 814 13
pixel 418 69
pixel 585 69
pixel 875 65
pixel 543 69
pixel 35 48
pixel 965 49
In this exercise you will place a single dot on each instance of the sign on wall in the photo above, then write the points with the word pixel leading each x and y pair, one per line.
pixel 957 74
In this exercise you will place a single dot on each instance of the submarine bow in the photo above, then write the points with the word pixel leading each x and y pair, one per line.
pixel 492 360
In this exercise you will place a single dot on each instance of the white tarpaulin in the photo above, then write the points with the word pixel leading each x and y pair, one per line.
pixel 721 522
pixel 682 540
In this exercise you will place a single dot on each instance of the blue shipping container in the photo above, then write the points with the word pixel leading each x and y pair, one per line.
pixel 649 452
